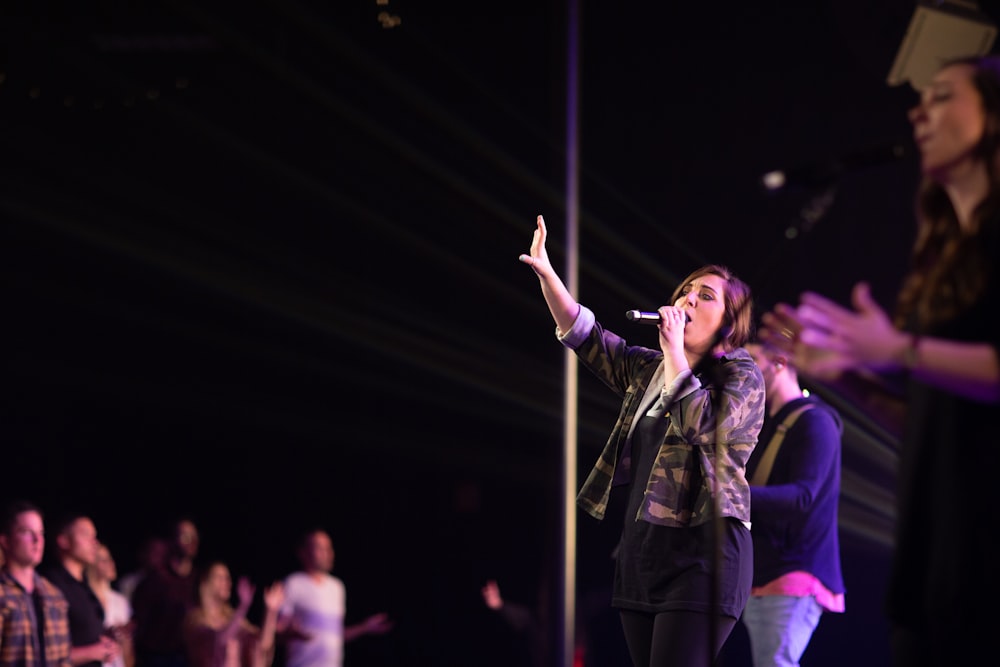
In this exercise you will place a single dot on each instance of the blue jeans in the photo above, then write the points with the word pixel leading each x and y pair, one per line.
pixel 780 627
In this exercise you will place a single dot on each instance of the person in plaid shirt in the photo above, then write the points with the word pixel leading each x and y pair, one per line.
pixel 34 625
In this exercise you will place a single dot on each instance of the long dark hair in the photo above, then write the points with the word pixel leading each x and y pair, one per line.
pixel 949 267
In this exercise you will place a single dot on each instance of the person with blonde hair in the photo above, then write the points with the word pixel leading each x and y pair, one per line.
pixel 117 609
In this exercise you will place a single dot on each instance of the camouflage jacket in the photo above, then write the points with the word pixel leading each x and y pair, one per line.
pixel 714 424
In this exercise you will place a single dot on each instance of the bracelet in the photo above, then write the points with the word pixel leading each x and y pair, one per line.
pixel 910 353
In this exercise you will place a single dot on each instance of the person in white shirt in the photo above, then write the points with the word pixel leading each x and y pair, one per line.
pixel 311 620
pixel 117 608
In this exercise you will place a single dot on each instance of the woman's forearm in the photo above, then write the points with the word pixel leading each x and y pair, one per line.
pixel 561 303
pixel 970 370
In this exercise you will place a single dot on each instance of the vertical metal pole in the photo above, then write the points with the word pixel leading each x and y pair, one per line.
pixel 571 365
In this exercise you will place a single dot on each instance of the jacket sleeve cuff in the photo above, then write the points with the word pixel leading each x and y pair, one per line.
pixel 681 386
pixel 581 328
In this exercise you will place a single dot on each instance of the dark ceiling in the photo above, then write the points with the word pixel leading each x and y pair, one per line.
pixel 263 255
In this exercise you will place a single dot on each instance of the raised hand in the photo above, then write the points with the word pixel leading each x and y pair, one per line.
pixel 537 257
pixel 491 595
pixel 561 303
pixel 274 596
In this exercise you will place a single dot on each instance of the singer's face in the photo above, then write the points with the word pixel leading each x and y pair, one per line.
pixel 703 299
pixel 948 123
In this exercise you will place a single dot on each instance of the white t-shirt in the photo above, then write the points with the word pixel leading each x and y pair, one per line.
pixel 117 611
pixel 316 608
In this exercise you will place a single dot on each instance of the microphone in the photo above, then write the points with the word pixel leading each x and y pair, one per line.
pixel 647 318
pixel 825 173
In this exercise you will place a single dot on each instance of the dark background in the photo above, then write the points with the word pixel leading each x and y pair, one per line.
pixel 261 268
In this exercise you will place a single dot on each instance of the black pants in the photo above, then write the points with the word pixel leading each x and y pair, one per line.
pixel 674 638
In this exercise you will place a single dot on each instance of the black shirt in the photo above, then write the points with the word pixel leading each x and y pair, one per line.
pixel 663 568
pixel 86 615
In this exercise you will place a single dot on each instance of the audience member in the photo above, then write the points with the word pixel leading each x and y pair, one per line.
pixel 34 622
pixel 152 556
pixel 218 635
pixel 528 626
pixel 75 551
pixel 163 598
pixel 117 609
pixel 311 621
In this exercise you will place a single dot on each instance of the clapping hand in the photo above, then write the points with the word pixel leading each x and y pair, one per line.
pixel 824 339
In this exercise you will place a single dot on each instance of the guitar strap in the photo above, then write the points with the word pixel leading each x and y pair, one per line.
pixel 763 470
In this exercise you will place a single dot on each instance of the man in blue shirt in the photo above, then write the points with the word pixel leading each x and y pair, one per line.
pixel 794 475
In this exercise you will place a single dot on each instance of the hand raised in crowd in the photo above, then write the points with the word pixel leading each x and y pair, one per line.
pixel 274 596
pixel 491 595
